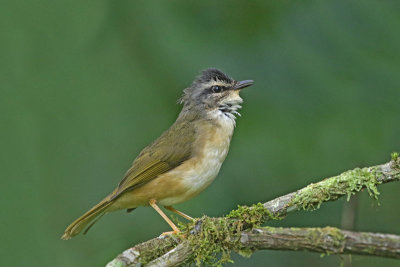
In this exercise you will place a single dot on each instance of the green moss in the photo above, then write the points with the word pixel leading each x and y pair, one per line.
pixel 369 250
pixel 337 236
pixel 345 184
pixel 149 253
pixel 395 163
pixel 317 237
pixel 394 156
pixel 253 215
pixel 212 245
pixel 272 230
pixel 246 253
pixel 219 236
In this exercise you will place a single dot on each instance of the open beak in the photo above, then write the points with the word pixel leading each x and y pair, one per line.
pixel 243 84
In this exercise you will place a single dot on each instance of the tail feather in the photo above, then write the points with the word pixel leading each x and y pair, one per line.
pixel 92 215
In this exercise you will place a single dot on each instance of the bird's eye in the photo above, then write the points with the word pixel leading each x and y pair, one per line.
pixel 216 89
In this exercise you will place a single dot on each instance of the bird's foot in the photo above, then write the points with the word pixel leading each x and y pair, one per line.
pixel 170 233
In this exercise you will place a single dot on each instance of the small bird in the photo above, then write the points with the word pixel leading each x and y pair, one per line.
pixel 184 160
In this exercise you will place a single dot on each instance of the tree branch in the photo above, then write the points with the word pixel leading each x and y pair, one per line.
pixel 328 240
pixel 209 236
pixel 330 189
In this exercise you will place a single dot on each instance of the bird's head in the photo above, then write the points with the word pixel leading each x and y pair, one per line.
pixel 214 91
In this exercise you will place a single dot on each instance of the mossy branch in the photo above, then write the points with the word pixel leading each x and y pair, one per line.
pixel 206 238
pixel 327 240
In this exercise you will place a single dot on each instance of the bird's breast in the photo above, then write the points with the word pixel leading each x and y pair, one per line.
pixel 204 168
pixel 197 173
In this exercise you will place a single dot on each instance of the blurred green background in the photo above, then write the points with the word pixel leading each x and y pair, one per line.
pixel 86 85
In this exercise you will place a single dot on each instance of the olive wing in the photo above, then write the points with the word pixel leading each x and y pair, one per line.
pixel 170 150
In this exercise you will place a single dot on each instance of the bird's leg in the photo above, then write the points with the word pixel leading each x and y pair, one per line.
pixel 180 213
pixel 152 203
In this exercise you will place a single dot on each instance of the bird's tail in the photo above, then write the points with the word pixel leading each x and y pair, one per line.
pixel 92 215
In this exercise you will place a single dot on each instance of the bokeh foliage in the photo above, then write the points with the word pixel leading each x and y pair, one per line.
pixel 86 85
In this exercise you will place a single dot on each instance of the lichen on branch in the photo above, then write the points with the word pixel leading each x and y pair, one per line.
pixel 330 189
pixel 212 239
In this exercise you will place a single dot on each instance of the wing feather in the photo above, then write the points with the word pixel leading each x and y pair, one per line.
pixel 169 151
